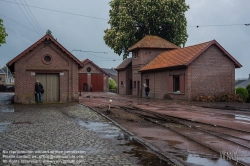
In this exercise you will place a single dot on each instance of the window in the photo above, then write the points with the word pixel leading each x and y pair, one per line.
pixel 136 55
pixel 121 83
pixel 88 69
pixel 134 84
pixel 0 78
pixel 47 58
pixel 176 83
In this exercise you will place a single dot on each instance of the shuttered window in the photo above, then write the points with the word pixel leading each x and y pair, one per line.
pixel 176 83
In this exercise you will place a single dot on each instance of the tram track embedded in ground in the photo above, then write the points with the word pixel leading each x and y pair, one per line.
pixel 162 119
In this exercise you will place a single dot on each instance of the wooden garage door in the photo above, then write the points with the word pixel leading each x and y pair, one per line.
pixel 83 80
pixel 51 86
pixel 97 82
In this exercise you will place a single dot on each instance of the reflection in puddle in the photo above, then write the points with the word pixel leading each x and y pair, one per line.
pixel 205 161
pixel 106 130
pixel 141 152
pixel 242 117
pixel 3 126
pixel 7 110
pixel 124 137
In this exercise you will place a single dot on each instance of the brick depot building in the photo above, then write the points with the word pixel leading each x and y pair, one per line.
pixel 174 72
pixel 92 78
pixel 50 63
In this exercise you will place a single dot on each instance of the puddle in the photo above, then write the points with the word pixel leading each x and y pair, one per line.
pixel 141 152
pixel 104 128
pixel 107 130
pixel 7 110
pixel 3 126
pixel 242 117
pixel 199 160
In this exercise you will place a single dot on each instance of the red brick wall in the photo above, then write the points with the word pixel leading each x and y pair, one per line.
pixel 33 63
pixel 144 56
pixel 211 73
pixel 95 70
pixel 159 84
pixel 125 76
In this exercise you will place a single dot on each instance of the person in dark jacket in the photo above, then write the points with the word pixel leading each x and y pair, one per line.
pixel 39 90
pixel 147 89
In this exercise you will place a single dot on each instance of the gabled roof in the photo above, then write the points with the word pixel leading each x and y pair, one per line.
pixel 86 61
pixel 110 71
pixel 11 63
pixel 2 72
pixel 153 42
pixel 184 56
pixel 124 64
pixel 243 84
pixel 239 81
pixel 9 73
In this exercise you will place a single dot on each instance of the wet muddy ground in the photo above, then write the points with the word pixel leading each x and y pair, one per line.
pixel 68 128
pixel 169 143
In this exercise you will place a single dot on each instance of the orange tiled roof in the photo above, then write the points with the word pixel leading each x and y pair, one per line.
pixel 183 56
pixel 124 64
pixel 153 42
pixel 45 37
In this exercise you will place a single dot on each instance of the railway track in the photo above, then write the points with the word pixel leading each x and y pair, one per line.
pixel 193 130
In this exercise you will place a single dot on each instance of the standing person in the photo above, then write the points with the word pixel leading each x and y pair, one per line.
pixel 39 90
pixel 147 89
pixel 90 88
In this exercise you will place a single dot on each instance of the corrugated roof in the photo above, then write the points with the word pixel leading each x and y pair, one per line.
pixel 110 71
pixel 124 64
pixel 243 84
pixel 45 37
pixel 239 81
pixel 2 72
pixel 9 73
pixel 183 56
pixel 153 42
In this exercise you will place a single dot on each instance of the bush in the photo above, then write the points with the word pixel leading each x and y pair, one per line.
pixel 223 97
pixel 112 84
pixel 242 92
pixel 248 89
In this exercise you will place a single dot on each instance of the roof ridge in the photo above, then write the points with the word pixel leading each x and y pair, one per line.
pixel 199 44
pixel 38 42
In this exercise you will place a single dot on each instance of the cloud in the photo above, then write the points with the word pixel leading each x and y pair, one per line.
pixel 83 33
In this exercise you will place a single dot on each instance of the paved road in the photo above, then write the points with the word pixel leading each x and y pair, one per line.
pixel 38 130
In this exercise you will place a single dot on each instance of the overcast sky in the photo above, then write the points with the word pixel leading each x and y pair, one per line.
pixel 222 20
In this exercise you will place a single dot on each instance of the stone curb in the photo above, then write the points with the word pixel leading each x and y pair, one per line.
pixel 148 145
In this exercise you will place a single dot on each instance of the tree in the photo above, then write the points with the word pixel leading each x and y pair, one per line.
pixel 112 84
pixel 3 33
pixel 131 20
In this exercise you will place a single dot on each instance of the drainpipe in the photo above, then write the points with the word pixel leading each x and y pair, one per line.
pixel 141 86
pixel 6 80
